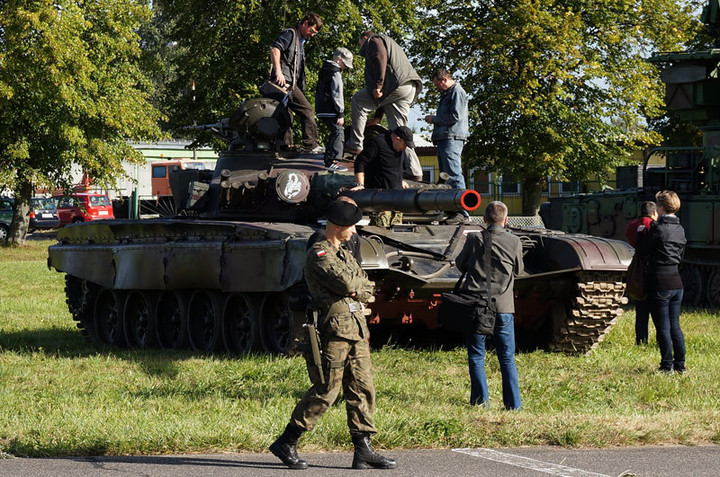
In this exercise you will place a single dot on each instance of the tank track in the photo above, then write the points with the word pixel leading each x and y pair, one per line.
pixel 593 311
pixel 80 297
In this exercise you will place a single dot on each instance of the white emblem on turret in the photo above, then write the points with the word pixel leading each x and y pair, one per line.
pixel 293 186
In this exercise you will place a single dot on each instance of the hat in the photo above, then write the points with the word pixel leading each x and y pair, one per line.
pixel 345 55
pixel 343 213
pixel 404 133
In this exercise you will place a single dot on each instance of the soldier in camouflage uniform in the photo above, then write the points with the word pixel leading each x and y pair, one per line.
pixel 340 289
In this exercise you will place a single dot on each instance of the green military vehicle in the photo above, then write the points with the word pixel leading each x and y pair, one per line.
pixel 693 92
pixel 226 272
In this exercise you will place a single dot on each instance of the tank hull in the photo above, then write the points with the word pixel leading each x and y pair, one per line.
pixel 238 286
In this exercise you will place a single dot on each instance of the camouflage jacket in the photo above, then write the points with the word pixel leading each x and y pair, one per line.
pixel 333 275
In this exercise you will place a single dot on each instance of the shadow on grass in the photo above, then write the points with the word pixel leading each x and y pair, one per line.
pixel 63 343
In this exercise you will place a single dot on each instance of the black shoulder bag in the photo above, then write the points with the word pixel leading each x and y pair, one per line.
pixel 468 312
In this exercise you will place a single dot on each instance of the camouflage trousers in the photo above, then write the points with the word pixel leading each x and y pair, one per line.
pixel 386 218
pixel 346 365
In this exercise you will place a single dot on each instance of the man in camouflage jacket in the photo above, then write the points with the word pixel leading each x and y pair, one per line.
pixel 340 289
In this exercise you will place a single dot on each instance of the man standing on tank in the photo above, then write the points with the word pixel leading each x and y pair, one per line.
pixel 330 105
pixel 506 262
pixel 450 131
pixel 391 84
pixel 340 289
pixel 287 57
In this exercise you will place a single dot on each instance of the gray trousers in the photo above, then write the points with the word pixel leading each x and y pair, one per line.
pixel 397 110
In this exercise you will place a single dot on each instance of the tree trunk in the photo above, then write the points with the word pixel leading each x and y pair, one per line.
pixel 21 214
pixel 532 192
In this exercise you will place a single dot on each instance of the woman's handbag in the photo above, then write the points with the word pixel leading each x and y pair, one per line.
pixel 466 312
pixel 635 279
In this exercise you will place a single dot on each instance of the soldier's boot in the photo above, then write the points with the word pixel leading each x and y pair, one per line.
pixel 365 456
pixel 285 448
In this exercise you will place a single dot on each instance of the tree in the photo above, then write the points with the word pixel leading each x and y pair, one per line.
pixel 558 88
pixel 71 93
pixel 221 48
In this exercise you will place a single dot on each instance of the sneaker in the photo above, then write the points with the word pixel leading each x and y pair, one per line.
pixel 334 166
pixel 314 150
pixel 662 370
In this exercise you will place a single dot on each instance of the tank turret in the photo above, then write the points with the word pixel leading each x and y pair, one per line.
pixel 255 180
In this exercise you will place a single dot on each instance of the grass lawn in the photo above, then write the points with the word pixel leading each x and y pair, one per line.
pixel 61 395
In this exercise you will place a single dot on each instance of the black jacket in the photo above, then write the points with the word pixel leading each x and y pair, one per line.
pixel 663 248
pixel 382 165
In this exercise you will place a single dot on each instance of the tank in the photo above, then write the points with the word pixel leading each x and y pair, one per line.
pixel 693 93
pixel 225 274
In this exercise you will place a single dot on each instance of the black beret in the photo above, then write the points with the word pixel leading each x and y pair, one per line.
pixel 343 213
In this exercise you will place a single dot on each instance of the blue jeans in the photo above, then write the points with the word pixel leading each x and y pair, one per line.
pixel 504 338
pixel 448 153
pixel 334 146
pixel 665 310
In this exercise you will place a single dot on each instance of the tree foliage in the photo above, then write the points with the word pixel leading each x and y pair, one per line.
pixel 71 93
pixel 222 47
pixel 558 87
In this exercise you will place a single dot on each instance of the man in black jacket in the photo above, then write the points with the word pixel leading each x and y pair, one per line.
pixel 287 57
pixel 380 166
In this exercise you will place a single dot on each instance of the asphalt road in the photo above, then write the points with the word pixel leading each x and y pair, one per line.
pixel 527 462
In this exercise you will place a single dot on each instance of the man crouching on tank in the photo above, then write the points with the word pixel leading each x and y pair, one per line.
pixel 340 289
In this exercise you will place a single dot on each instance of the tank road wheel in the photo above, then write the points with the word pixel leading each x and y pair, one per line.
pixel 276 323
pixel 692 283
pixel 108 318
pixel 139 319
pixel 240 323
pixel 81 303
pixel 713 289
pixel 204 321
pixel 170 320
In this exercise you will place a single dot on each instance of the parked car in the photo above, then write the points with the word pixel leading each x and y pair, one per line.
pixel 43 213
pixel 83 207
pixel 6 213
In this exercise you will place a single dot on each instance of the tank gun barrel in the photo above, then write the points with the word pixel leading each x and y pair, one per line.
pixel 413 200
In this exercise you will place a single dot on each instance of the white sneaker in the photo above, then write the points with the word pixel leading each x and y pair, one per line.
pixel 316 150
pixel 336 167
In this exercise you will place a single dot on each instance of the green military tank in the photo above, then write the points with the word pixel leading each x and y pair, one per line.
pixel 225 274
pixel 693 92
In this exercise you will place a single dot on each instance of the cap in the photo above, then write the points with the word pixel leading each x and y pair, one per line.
pixel 404 133
pixel 345 55
pixel 343 213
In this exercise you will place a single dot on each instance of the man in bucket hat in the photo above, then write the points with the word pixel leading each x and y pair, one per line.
pixel 340 289
pixel 330 105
